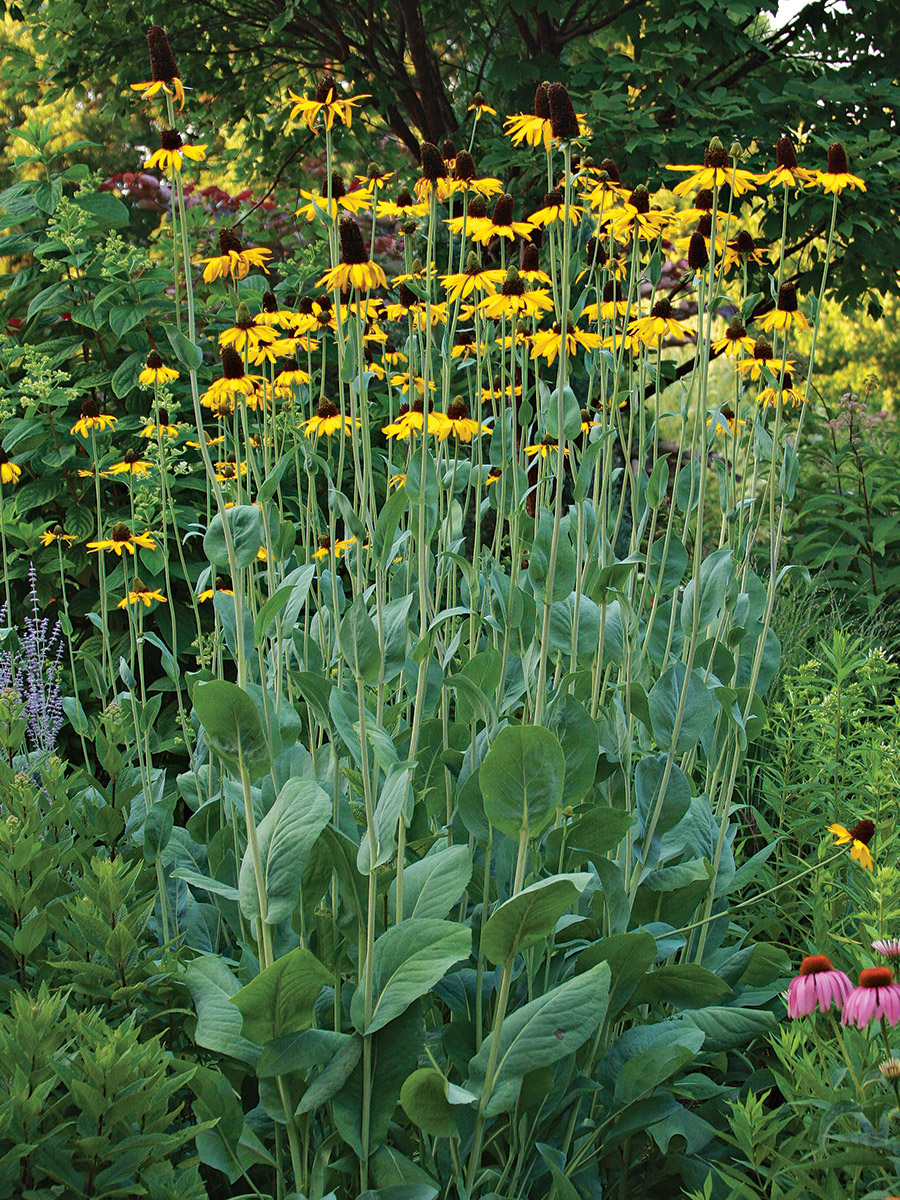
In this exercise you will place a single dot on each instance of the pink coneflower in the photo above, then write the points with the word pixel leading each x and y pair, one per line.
pixel 887 948
pixel 817 985
pixel 876 998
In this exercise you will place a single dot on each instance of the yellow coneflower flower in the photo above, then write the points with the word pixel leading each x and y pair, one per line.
pixel 9 471
pixel 546 448
pixel 717 171
pixel 786 173
pixel 162 66
pixel 318 205
pixel 234 381
pixel 703 207
pixel 479 106
pixel 465 346
pixel 169 156
pixel 406 382
pixel 466 180
pixel 411 421
pixel 233 261
pixel 499 224
pixel 837 177
pixel 329 104
pixel 697 243
pixel 725 421
pixel 92 420
pixel 547 343
pixel 434 172
pixel 457 421
pixel 245 334
pixel 397 480
pixel 857 839
pixel 208 593
pixel 787 393
pixel 635 216
pixel 513 300
pixel 122 541
pixel 474 280
pixel 587 422
pixel 271 314
pixel 162 427
pixel 786 314
pixel 493 475
pixel 339 548
pixel 615 341
pixel 534 128
pixel 762 356
pixel 530 269
pixel 156 372
pixel 735 342
pixel 608 187
pixel 553 209
pixel 613 303
pixel 56 534
pixel 355 268
pixel 405 208
pixel 130 464
pixel 742 249
pixel 230 470
pixel 496 392
pixel 651 330
pixel 327 421
pixel 314 313
pixel 290 375
pixel 476 210
pixel 139 593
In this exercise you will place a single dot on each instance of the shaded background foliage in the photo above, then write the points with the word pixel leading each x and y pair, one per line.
pixel 655 77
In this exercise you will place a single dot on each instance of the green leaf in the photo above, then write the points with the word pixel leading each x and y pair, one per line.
pixel 540 1034
pixel 668 810
pixel 246 536
pixel 386 820
pixel 106 208
pixel 280 999
pixel 579 737
pixel 231 723
pixel 684 985
pixel 434 884
pixel 530 916
pixel 715 575
pixel 539 561
pixel 272 480
pixel 423 1098
pixel 270 611
pixel 643 1073
pixel 658 483
pixel 630 956
pixel 521 780
pixel 700 708
pixel 359 642
pixel 728 1028
pixel 124 317
pixel 598 830
pixel 187 353
pixel 395 1053
pixel 212 985
pixel 333 1076
pixel 408 960
pixel 285 836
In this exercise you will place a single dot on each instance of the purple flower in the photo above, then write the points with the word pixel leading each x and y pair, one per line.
pixel 818 985
pixel 33 670
pixel 876 997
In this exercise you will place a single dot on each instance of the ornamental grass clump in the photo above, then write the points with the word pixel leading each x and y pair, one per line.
pixel 433 617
